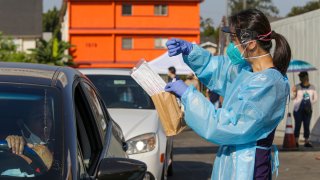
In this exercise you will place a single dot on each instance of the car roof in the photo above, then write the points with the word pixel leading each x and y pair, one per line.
pixel 29 73
pixel 105 71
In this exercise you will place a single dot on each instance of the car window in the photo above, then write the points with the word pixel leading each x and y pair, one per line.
pixel 115 148
pixel 116 143
pixel 121 92
pixel 96 109
pixel 87 132
pixel 29 114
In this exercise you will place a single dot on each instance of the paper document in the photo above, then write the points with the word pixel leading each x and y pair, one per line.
pixel 149 80
pixel 169 112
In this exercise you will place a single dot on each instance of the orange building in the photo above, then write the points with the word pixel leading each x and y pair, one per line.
pixel 118 33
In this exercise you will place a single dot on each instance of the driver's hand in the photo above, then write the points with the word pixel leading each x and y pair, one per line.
pixel 16 143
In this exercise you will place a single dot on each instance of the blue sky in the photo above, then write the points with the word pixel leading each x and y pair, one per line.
pixel 214 9
pixel 48 4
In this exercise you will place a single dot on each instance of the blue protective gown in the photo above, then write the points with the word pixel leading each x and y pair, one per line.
pixel 254 104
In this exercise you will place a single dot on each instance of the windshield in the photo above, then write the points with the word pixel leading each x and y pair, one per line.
pixel 121 92
pixel 27 136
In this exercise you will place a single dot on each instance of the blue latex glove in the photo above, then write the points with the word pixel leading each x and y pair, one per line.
pixel 177 87
pixel 177 46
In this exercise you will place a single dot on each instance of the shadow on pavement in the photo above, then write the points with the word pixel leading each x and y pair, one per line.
pixel 301 149
pixel 195 150
pixel 190 170
pixel 315 148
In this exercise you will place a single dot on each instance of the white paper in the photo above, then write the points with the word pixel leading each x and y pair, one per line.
pixel 149 80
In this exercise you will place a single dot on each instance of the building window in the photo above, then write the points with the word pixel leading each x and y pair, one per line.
pixel 160 43
pixel 160 10
pixel 126 9
pixel 127 43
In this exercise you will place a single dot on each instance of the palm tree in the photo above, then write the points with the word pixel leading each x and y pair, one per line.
pixel 52 52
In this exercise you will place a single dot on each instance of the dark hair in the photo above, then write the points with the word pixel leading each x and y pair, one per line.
pixel 255 21
pixel 172 70
pixel 303 74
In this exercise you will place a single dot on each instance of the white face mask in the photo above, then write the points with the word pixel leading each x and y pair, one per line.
pixel 32 139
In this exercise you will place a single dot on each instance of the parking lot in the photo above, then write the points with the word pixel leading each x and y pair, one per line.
pixel 193 159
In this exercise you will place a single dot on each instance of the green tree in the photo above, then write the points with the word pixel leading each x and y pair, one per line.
pixel 266 6
pixel 207 28
pixel 51 22
pixel 310 6
pixel 52 52
pixel 9 52
pixel 46 52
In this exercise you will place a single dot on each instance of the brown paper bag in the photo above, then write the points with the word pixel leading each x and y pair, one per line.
pixel 170 114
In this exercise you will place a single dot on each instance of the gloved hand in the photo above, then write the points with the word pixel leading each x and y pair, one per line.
pixel 177 46
pixel 177 87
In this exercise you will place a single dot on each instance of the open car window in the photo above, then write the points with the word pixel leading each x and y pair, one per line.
pixel 29 112
pixel 90 143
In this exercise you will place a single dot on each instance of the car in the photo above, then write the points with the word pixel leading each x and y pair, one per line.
pixel 62 125
pixel 132 108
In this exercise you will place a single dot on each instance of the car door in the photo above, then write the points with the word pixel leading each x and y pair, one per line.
pixel 115 145
pixel 95 140
pixel 89 140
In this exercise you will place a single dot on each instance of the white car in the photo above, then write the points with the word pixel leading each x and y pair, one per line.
pixel 132 108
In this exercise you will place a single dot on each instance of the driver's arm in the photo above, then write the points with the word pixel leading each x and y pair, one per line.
pixel 16 143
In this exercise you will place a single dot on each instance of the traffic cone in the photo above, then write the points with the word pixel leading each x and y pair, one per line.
pixel 289 141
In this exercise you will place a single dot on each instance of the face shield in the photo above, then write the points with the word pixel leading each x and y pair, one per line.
pixel 243 35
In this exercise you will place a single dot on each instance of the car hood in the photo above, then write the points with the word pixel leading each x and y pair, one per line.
pixel 135 122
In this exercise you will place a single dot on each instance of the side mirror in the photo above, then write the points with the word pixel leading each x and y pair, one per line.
pixel 121 169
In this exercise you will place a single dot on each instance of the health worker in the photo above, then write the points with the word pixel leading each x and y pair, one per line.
pixel 255 90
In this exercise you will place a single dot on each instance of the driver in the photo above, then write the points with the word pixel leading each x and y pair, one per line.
pixel 35 132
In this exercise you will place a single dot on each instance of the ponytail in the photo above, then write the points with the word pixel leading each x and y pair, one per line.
pixel 255 21
pixel 282 53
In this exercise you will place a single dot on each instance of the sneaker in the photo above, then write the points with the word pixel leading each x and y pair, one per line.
pixel 308 145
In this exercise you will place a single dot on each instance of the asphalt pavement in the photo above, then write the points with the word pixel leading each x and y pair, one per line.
pixel 193 159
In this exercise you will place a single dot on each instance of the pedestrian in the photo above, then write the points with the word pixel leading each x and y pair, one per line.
pixel 304 95
pixel 172 74
pixel 255 90
pixel 192 80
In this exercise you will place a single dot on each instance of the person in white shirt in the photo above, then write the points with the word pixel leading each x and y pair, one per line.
pixel 304 95
pixel 172 74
